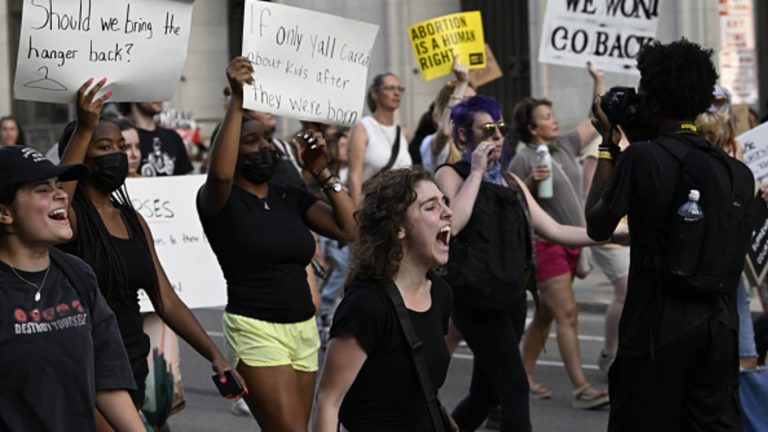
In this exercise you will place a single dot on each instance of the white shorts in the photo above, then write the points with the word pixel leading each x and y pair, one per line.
pixel 612 261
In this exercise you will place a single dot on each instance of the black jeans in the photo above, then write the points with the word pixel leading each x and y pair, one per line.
pixel 691 384
pixel 498 376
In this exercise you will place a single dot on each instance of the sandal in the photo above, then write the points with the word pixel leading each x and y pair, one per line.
pixel 538 391
pixel 587 397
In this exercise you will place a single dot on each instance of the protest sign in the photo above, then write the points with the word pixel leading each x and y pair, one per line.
pixel 737 56
pixel 608 33
pixel 755 144
pixel 438 40
pixel 490 72
pixel 306 65
pixel 139 45
pixel 168 206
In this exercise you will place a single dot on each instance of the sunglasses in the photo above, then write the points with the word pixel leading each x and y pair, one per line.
pixel 489 129
pixel 401 89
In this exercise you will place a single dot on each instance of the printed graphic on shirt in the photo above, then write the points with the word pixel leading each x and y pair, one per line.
pixel 158 162
pixel 60 317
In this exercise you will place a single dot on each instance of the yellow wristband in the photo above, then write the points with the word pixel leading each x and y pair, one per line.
pixel 604 154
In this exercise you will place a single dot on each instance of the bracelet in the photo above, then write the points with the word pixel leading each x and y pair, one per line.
pixel 604 154
pixel 319 171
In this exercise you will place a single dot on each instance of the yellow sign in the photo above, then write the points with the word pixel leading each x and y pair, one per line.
pixel 438 40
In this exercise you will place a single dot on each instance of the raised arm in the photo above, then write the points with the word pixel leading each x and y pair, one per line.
pixel 343 362
pixel 443 133
pixel 463 193
pixel 358 144
pixel 585 129
pixel 177 315
pixel 221 166
pixel 88 113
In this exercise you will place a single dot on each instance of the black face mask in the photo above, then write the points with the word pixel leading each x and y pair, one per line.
pixel 108 172
pixel 259 166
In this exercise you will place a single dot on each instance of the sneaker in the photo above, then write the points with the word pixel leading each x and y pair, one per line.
pixel 239 407
pixel 605 361
pixel 587 397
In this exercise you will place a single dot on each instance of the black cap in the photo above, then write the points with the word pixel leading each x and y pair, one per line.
pixel 21 165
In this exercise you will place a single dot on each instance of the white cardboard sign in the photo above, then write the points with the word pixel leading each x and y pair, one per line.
pixel 307 65
pixel 755 142
pixel 140 46
pixel 609 33
pixel 168 206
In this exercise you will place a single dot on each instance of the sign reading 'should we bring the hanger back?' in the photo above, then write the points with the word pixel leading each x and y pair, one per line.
pixel 139 46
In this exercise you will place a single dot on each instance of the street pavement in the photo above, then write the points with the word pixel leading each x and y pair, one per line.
pixel 207 411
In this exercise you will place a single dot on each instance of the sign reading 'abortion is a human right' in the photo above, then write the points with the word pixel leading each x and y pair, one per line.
pixel 306 65
pixel 609 33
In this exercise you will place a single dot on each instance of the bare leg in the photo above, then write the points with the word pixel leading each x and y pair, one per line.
pixel 280 397
pixel 613 314
pixel 536 336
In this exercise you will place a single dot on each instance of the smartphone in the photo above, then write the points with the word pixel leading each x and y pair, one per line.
pixel 230 385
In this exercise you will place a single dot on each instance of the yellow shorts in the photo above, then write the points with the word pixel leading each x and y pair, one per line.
pixel 263 344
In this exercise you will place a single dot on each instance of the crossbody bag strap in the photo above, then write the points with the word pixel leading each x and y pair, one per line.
pixel 435 409
pixel 395 151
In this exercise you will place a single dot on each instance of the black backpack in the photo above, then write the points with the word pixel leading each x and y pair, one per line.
pixel 727 189
pixel 491 261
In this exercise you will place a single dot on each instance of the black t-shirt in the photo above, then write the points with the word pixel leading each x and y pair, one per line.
pixel 264 253
pixel 386 394
pixel 163 153
pixel 643 186
pixel 55 353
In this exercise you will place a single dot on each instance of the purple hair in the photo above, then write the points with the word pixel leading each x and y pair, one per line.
pixel 463 115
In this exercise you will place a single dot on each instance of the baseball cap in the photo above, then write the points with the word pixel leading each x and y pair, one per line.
pixel 21 165
pixel 721 99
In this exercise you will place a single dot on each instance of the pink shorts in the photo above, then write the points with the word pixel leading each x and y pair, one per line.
pixel 555 260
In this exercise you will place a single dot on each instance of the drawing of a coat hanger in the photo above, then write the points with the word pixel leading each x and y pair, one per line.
pixel 46 83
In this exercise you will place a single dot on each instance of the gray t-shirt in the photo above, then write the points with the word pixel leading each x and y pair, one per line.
pixel 567 204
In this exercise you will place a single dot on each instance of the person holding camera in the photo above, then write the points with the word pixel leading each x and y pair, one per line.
pixel 260 234
pixel 535 124
pixel 677 362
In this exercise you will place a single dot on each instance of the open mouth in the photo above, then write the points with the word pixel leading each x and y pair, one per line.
pixel 58 215
pixel 444 236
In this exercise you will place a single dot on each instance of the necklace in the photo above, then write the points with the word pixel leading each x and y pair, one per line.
pixel 40 287
pixel 264 201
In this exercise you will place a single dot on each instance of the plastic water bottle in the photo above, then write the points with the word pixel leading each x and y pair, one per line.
pixel 543 158
pixel 687 237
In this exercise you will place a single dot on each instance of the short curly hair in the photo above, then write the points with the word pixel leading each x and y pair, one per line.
pixel 522 116
pixel 386 197
pixel 679 76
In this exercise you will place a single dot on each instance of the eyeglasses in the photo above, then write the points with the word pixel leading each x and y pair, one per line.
pixel 489 129
pixel 401 89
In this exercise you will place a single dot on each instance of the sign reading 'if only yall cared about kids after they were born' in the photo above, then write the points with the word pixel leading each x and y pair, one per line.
pixel 307 65
pixel 140 46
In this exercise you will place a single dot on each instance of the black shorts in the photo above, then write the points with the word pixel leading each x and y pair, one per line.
pixel 690 384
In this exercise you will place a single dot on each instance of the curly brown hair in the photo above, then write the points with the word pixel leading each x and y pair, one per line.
pixel 377 252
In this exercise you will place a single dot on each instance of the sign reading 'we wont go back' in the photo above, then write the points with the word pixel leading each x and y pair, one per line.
pixel 306 65
pixel 140 46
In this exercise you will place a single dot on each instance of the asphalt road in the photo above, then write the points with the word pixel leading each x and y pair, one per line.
pixel 206 411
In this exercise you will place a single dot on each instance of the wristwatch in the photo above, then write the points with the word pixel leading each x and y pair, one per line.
pixel 333 183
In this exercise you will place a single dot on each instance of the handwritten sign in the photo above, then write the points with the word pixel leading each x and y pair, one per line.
pixel 491 71
pixel 168 206
pixel 755 144
pixel 738 59
pixel 609 33
pixel 307 65
pixel 757 254
pixel 139 45
pixel 437 41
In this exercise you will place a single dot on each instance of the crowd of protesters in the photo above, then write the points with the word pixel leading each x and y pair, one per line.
pixel 340 246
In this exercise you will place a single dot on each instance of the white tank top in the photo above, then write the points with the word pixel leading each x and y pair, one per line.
pixel 380 141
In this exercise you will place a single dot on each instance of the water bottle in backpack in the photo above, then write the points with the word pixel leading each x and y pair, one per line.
pixel 543 158
pixel 687 237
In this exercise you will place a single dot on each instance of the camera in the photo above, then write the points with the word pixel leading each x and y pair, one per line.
pixel 620 105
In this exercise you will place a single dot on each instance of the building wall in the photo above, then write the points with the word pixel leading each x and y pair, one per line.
pixel 570 88
pixel 5 60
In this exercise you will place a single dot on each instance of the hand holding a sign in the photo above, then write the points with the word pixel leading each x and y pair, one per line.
pixel 89 106
pixel 239 72
pixel 311 148
pixel 460 70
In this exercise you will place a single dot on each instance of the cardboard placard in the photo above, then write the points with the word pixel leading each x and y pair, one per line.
pixel 438 40
pixel 607 33
pixel 491 71
pixel 140 46
pixel 307 65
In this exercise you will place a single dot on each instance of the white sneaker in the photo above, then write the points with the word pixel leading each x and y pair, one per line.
pixel 239 407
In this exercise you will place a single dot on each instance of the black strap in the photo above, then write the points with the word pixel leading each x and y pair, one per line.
pixel 435 408
pixel 395 151
pixel 83 286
